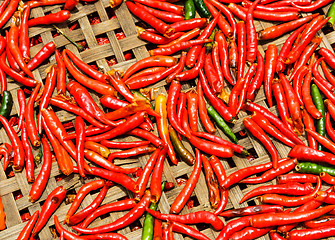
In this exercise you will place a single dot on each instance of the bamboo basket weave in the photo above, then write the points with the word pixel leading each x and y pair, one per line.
pixel 97 54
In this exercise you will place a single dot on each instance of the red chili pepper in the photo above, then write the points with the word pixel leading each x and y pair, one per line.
pixel 124 145
pixel 258 79
pixel 30 164
pixel 186 192
pixel 24 38
pixel 180 106
pixel 42 179
pixel 155 185
pixel 329 94
pixel 328 56
pixel 70 4
pixel 304 41
pixel 131 152
pixel 194 72
pixel 329 76
pixel 309 124
pixel 312 7
pixel 9 11
pixel 212 76
pixel 80 139
pixel 179 69
pixel 250 232
pixel 263 138
pixel 156 141
pixel 247 3
pixel 306 95
pixel 242 48
pixel 304 153
pixel 284 51
pixel 206 146
pixel 192 107
pixel 3 6
pixel 63 158
pixel 233 55
pixel 252 210
pixel 297 82
pixel 268 219
pixel 327 178
pixel 95 85
pixel 288 2
pixel 54 199
pixel 65 233
pixel 51 18
pixel 322 140
pixel 166 6
pixel 234 226
pixel 39 3
pixel 212 183
pixel 329 128
pixel 214 101
pixel 122 222
pixel 207 123
pixel 251 33
pixel 222 22
pixel 319 78
pixel 5 153
pixel 157 24
pixel 162 15
pixel 167 233
pixel 26 231
pixel 152 37
pixel 270 64
pixel 184 37
pixel 98 148
pixel 283 167
pixel 190 218
pixel 187 25
pixel 22 103
pixel 3 81
pixel 265 124
pixel 107 208
pixel 241 13
pixel 194 52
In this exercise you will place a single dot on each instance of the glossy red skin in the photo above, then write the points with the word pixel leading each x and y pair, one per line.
pixel 30 120
pixel 26 231
pixel 250 232
pixel 24 38
pixel 304 153
pixel 193 72
pixel 251 33
pixel 52 18
pixel 270 65
pixel 312 7
pixel 42 179
pixel 329 76
pixel 234 226
pixel 156 141
pixel 242 48
pixel 212 76
pixel 179 69
pixel 192 109
pixel 212 183
pixel 169 17
pixel 307 98
pixel 30 163
pixel 8 13
pixel 187 25
pixel 319 77
pixel 11 60
pixel 258 78
pixel 297 83
pixel 309 124
pixel 252 210
pixel 329 128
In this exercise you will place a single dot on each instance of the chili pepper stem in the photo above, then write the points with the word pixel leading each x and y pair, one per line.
pixel 80 48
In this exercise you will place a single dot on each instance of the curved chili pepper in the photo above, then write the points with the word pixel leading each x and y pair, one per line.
pixel 194 52
pixel 288 2
pixel 297 50
pixel 22 103
pixel 5 153
pixel 193 73
pixel 123 145
pixel 250 232
pixel 234 226
pixel 177 47
pixel 110 207
pixel 325 221
pixel 86 68
pixel 62 231
pixel 155 185
pixel 293 105
pixel 296 177
pixel 42 179
pixel 80 216
pixel 24 37
pixel 98 148
pixel 116 177
pixel 309 124
pixel 319 78
pixel 8 13
pixel 167 231
pixel 233 56
pixel 63 158
pixel 185 37
pixel 3 82
pixel 124 221
pixel 156 141
pixel 157 24
pixel 328 57
pixel 30 120
pixel 270 64
pixel 212 76
pixel 160 107
pixel 258 78
pixel 173 95
pixel 312 7
pixel 11 60
pixel 265 124
pixel 57 128
pixel 327 73
pixel 152 37
pixel 189 231
pixel 190 218
pixel 241 12
pixel 322 140
pixel 284 51
pixel 95 85
pixel 131 152
pixel 309 154
pixel 247 3
pixel 268 219
pixel 186 192
pixel 140 82
pixel 242 48
pixel 182 152
pixel 145 72
pixel 252 210
pixel 3 6
pixel 54 199
pixel 39 3
pixel 80 140
pixel 13 39
pixel 203 110
pixel 307 98
pixel 166 6
pixel 180 106
pixel 101 161
pixel 30 164
pixel 192 107
pixel 314 233
pixel 219 106
pixel 26 231
pixel 327 178
pixel 278 30
pixel 51 18
pixel 251 33
pixel 180 68
pixel 70 4
pixel 290 201
pixel 283 167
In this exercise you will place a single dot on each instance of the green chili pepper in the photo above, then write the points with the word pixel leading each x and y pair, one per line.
pixel 202 8
pixel 189 9
pixel 331 14
pixel 221 123
pixel 320 125
pixel 178 146
pixel 309 167
pixel 148 224
pixel 209 46
pixel 6 104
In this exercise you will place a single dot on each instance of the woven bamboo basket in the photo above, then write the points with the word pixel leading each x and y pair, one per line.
pixel 12 185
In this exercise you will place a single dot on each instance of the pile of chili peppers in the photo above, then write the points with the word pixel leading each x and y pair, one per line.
pixel 220 52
